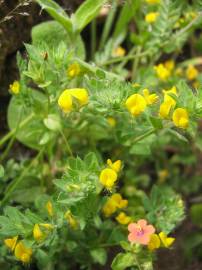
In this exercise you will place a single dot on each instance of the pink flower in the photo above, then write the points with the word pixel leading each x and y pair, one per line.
pixel 140 232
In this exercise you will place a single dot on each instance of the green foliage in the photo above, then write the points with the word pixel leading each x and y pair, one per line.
pixel 165 208
pixel 195 212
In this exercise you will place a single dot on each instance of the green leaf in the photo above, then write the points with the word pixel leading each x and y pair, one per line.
pixel 99 255
pixel 1 171
pixel 122 261
pixel 156 122
pixel 32 131
pixel 196 214
pixel 52 122
pixel 57 13
pixel 86 13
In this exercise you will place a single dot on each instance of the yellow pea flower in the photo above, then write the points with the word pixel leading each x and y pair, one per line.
pixel 168 98
pixel 73 70
pixel 65 101
pixel 37 233
pixel 180 118
pixel 109 208
pixel 116 166
pixel 154 242
pixel 162 72
pixel 15 87
pixel 119 201
pixel 136 104
pixel 49 208
pixel 113 203
pixel 150 98
pixel 163 174
pixel 170 64
pixel 23 253
pixel 11 242
pixel 191 72
pixel 151 17
pixel 135 85
pixel 166 241
pixel 164 110
pixel 119 51
pixel 111 121
pixel 123 219
pixel 71 220
pixel 153 1
pixel 108 177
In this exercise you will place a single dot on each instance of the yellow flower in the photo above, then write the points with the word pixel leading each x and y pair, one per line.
pixel 113 203
pixel 181 118
pixel 162 72
pixel 71 220
pixel 111 121
pixel 37 233
pixel 73 70
pixel 191 73
pixel 150 98
pixel 65 101
pixel 153 1
pixel 49 208
pixel 15 87
pixel 154 242
pixel 109 208
pixel 163 174
pixel 108 177
pixel 179 71
pixel 167 96
pixel 119 51
pixel 169 64
pixel 118 200
pixel 135 85
pixel 123 219
pixel 23 253
pixel 116 166
pixel 151 17
pixel 136 104
pixel 11 242
pixel 166 241
pixel 164 110
pixel 196 84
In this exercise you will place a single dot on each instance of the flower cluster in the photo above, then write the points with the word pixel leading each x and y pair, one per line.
pixel 144 234
pixel 21 251
pixel 113 203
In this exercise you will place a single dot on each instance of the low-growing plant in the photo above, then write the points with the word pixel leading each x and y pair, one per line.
pixel 97 126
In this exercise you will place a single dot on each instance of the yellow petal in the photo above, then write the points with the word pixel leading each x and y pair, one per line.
pixel 180 118
pixel 123 219
pixel 154 242
pixel 37 233
pixel 23 253
pixel 49 208
pixel 136 104
pixel 108 177
pixel 11 242
pixel 166 241
pixel 65 101
pixel 116 166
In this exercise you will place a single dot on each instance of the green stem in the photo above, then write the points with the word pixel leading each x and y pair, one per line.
pixel 66 143
pixel 135 63
pixel 93 38
pixel 108 25
pixel 13 131
pixel 18 180
pixel 146 134
pixel 127 57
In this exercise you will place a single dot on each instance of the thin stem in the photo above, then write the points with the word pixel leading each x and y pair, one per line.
pixel 146 134
pixel 66 143
pixel 135 63
pixel 6 151
pixel 127 57
pixel 12 132
pixel 93 38
pixel 108 25
pixel 18 180
pixel 137 263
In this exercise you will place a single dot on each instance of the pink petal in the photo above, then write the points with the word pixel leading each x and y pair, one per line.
pixel 144 240
pixel 132 237
pixel 142 223
pixel 132 227
pixel 149 229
